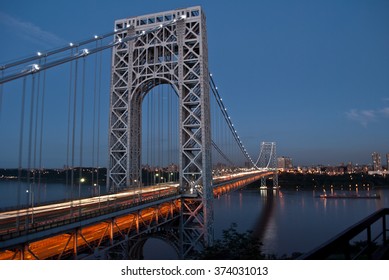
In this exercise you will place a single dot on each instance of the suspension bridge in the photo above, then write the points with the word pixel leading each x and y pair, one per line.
pixel 172 146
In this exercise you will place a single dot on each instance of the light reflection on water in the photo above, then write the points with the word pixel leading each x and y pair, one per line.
pixel 290 221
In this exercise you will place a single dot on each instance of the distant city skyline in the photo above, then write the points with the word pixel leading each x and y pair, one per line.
pixel 311 76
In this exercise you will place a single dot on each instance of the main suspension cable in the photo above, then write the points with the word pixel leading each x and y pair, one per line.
pixel 36 68
pixel 227 118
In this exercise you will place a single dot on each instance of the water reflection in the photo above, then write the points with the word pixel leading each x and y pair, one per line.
pixel 265 228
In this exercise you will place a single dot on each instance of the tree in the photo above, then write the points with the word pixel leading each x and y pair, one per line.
pixel 234 246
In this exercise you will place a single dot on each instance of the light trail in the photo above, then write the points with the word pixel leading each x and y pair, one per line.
pixel 85 201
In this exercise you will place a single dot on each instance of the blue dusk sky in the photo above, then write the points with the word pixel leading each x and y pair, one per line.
pixel 313 76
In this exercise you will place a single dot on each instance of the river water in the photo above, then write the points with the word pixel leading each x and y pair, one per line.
pixel 289 221
pixel 286 221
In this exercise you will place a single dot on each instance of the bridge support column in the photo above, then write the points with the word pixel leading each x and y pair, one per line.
pixel 75 243
pixel 22 250
pixel 263 182
pixel 112 224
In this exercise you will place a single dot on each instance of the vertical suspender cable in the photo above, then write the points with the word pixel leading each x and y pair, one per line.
pixel 36 194
pixel 162 132
pixel 152 145
pixel 149 152
pixel 73 135
pixel 69 122
pixel 81 132
pixel 169 129
pixel 148 131
pixel 21 149
pixel 30 128
pixel 41 127
pixel 30 194
pixel 98 122
pixel 158 130
pixel 94 120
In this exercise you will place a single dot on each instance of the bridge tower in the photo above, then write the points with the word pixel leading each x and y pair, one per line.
pixel 174 54
pixel 268 160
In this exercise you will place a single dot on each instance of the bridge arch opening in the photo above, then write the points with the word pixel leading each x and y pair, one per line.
pixel 159 119
pixel 159 249
pixel 157 246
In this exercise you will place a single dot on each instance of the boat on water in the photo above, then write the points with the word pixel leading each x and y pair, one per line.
pixel 353 196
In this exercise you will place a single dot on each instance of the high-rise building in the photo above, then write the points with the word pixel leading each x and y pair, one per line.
pixel 284 163
pixel 376 157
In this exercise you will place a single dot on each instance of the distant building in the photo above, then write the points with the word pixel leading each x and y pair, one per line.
pixel 387 162
pixel 350 168
pixel 376 157
pixel 284 163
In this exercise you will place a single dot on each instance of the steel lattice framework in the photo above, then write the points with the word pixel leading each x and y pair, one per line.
pixel 174 54
pixel 268 160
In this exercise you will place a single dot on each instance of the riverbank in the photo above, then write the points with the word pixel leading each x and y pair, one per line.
pixel 293 181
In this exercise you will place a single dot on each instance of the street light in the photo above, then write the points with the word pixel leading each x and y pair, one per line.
pixel 31 201
pixel 82 180
pixel 171 178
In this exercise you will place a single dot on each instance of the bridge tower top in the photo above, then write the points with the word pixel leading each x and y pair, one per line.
pixel 156 19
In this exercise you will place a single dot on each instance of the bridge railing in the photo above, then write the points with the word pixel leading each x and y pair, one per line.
pixel 369 247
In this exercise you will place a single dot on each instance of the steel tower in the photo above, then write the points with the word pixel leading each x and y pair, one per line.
pixel 268 160
pixel 174 52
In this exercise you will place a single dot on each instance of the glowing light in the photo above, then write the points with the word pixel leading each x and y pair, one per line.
pixel 96 37
pixel 39 53
pixel 34 67
pixel 71 44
